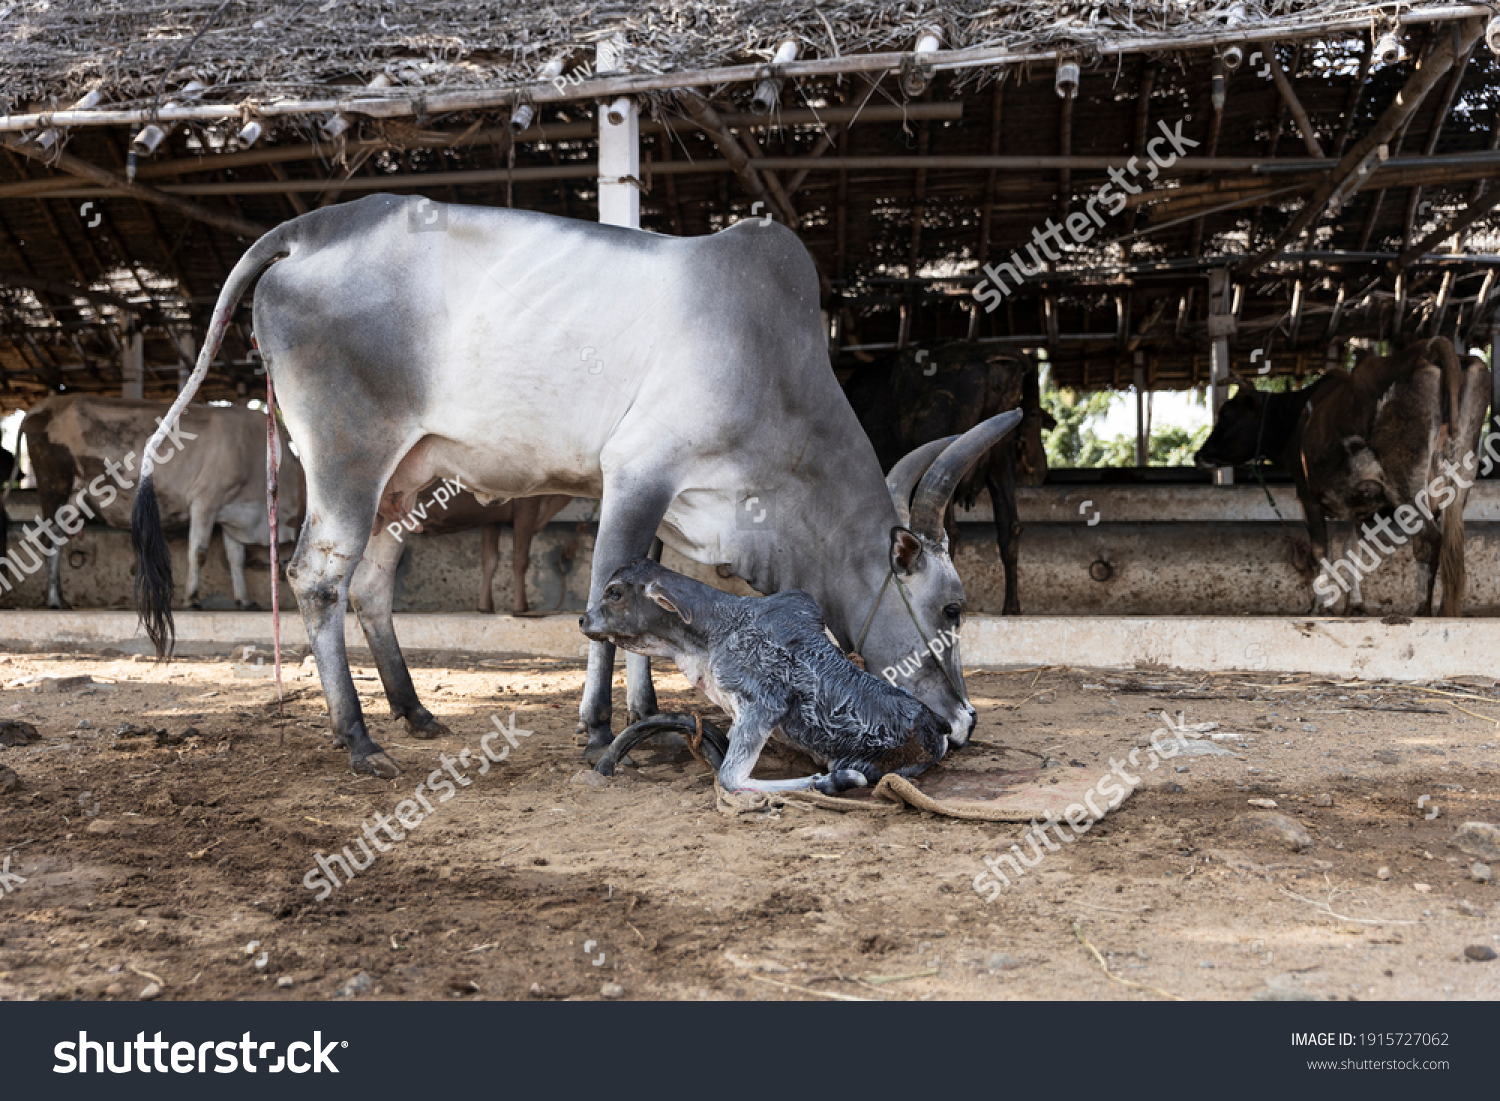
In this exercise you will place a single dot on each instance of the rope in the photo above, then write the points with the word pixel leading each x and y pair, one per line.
pixel 271 442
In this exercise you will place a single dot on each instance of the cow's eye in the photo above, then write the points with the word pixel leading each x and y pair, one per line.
pixel 614 594
pixel 953 611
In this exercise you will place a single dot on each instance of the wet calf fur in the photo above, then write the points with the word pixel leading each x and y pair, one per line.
pixel 769 664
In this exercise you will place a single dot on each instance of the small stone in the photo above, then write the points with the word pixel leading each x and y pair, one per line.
pixel 1179 768
pixel 1307 728
pixel 104 825
pixel 1384 873
pixel 1468 909
pixel 1288 832
pixel 611 990
pixel 1386 756
pixel 153 990
pixel 1421 887
pixel 1002 961
pixel 1323 801
pixel 114 989
pixel 1480 953
pixel 9 781
pixel 1268 804
pixel 285 980
pixel 1479 840
pixel 1173 789
pixel 84 724
pixel 588 778
pixel 1479 873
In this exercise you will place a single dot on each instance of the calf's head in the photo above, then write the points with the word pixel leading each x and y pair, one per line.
pixel 644 609
pixel 1238 433
pixel 914 632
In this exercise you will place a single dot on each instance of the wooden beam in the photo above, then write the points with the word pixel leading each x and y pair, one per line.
pixel 703 113
pixel 1293 104
pixel 1471 214
pixel 1413 201
pixel 77 166
pixel 1361 158
pixel 1352 104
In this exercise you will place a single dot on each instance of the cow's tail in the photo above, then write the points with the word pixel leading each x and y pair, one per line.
pixel 153 572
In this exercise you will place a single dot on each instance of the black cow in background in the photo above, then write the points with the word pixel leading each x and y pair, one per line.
pixel 918 395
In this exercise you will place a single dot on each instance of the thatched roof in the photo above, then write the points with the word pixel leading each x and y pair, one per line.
pixel 52 51
pixel 901 193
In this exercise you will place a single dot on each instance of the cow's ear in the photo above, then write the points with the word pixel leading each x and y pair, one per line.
pixel 906 551
pixel 659 594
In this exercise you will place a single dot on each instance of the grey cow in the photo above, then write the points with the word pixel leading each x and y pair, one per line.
pixel 683 381
pixel 769 664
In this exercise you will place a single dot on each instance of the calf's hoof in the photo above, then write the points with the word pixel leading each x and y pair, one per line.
pixel 831 783
pixel 376 764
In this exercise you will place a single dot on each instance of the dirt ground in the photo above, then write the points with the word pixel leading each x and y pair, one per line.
pixel 177 870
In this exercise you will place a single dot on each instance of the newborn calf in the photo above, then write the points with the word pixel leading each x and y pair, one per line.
pixel 768 663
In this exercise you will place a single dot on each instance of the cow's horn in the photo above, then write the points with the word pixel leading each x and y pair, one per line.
pixel 904 476
pixel 937 485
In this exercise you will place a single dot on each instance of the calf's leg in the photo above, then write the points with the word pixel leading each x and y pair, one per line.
pixel 747 737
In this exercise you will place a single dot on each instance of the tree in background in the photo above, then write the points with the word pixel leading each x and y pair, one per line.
pixel 1074 443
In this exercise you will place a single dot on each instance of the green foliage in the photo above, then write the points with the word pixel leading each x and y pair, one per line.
pixel 1074 443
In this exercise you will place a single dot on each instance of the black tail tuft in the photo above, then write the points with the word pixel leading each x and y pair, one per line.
pixel 153 570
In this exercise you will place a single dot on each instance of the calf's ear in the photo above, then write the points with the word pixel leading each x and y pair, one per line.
pixel 906 551
pixel 659 594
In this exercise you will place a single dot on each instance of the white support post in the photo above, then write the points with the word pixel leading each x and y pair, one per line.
pixel 619 149
pixel 1220 328
pixel 1142 450
pixel 133 366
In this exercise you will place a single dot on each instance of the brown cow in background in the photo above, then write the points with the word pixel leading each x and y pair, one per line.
pixel 463 512
pixel 1398 437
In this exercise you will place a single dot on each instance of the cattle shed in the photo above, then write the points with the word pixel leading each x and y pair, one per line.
pixel 1327 183
pixel 1148 196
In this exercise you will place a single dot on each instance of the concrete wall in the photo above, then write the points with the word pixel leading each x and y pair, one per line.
pixel 1161 550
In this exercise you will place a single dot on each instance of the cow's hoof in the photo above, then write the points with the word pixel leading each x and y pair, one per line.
pixel 252 606
pixel 486 611
pixel 428 730
pixel 376 764
pixel 1356 611
pixel 194 606
pixel 594 753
